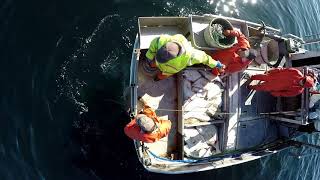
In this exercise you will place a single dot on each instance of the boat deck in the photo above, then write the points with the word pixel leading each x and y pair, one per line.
pixel 251 127
pixel 246 126
pixel 161 96
pixel 243 127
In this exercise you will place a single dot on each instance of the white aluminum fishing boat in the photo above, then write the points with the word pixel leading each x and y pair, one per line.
pixel 248 125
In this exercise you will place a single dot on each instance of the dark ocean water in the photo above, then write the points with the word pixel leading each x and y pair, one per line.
pixel 64 71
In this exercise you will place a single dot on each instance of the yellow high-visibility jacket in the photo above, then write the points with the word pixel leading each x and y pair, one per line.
pixel 190 57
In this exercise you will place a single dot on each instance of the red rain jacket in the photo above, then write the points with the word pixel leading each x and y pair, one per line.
pixel 133 130
pixel 280 82
pixel 229 57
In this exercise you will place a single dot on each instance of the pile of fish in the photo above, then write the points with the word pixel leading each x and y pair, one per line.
pixel 202 94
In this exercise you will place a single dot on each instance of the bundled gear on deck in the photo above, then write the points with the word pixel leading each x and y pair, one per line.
pixel 202 101
pixel 314 106
pixel 172 54
pixel 201 141
pixel 284 82
pixel 239 56
pixel 202 95
pixel 147 127
pixel 313 116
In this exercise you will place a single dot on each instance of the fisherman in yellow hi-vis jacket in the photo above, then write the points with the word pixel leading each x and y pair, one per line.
pixel 171 54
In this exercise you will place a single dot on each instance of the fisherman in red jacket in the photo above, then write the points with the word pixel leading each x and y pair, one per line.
pixel 147 127
pixel 283 82
pixel 239 56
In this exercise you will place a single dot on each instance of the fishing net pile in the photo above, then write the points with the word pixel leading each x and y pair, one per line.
pixel 217 33
pixel 202 94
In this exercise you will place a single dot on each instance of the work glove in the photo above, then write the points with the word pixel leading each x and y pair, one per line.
pixel 151 63
pixel 219 65
pixel 219 69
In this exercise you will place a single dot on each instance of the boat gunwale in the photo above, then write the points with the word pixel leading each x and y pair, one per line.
pixel 268 149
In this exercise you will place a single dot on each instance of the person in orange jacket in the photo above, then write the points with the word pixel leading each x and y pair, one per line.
pixel 239 56
pixel 147 127
pixel 284 82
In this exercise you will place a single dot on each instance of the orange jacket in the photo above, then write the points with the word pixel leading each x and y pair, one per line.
pixel 229 57
pixel 133 131
pixel 280 82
